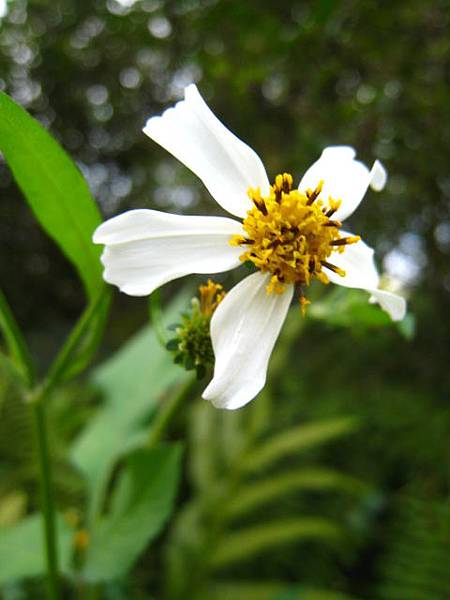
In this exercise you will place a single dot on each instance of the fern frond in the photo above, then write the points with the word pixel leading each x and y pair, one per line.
pixel 417 565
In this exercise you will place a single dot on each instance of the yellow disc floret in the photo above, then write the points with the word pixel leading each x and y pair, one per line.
pixel 211 295
pixel 291 235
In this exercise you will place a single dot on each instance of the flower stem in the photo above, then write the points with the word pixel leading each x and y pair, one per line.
pixel 168 411
pixel 48 508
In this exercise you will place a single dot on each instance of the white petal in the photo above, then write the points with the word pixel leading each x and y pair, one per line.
pixel 378 176
pixel 147 248
pixel 393 304
pixel 244 329
pixel 344 178
pixel 357 260
pixel 225 164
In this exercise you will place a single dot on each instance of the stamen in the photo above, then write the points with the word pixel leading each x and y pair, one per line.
pixel 333 268
pixel 332 224
pixel 260 205
pixel 334 205
pixel 313 195
pixel 345 241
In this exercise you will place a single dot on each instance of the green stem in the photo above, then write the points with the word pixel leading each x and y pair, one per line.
pixel 48 508
pixel 168 411
pixel 65 355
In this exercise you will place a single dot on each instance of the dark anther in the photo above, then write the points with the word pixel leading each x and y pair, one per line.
pixel 343 241
pixel 333 268
pixel 332 224
pixel 312 196
pixel 330 212
pixel 261 206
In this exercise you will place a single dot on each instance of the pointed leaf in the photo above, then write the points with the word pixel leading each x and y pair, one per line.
pixel 54 188
pixel 141 506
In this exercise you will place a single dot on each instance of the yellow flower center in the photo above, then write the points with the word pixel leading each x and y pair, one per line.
pixel 291 235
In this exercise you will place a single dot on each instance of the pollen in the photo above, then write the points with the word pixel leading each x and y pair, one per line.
pixel 291 234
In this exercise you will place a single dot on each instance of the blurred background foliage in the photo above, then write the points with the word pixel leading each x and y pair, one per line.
pixel 289 78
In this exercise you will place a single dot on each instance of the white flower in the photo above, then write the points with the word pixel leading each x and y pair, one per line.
pixel 291 236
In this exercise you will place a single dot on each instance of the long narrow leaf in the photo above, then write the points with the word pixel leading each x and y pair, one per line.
pixel 54 188
pixel 17 347
pixel 297 439
pixel 259 493
pixel 247 543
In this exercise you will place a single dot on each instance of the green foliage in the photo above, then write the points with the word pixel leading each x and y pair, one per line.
pixel 295 439
pixel 250 542
pixel 54 188
pixel 82 342
pixel 16 466
pixel 133 382
pixel 417 563
pixel 226 523
pixel 140 506
pixel 258 493
pixel 21 549
pixel 18 349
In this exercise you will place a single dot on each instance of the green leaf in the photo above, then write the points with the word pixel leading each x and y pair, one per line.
pixel 131 382
pixel 297 439
pixel 17 347
pixel 246 543
pixel 54 188
pixel 257 493
pixel 349 308
pixel 140 508
pixel 22 549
